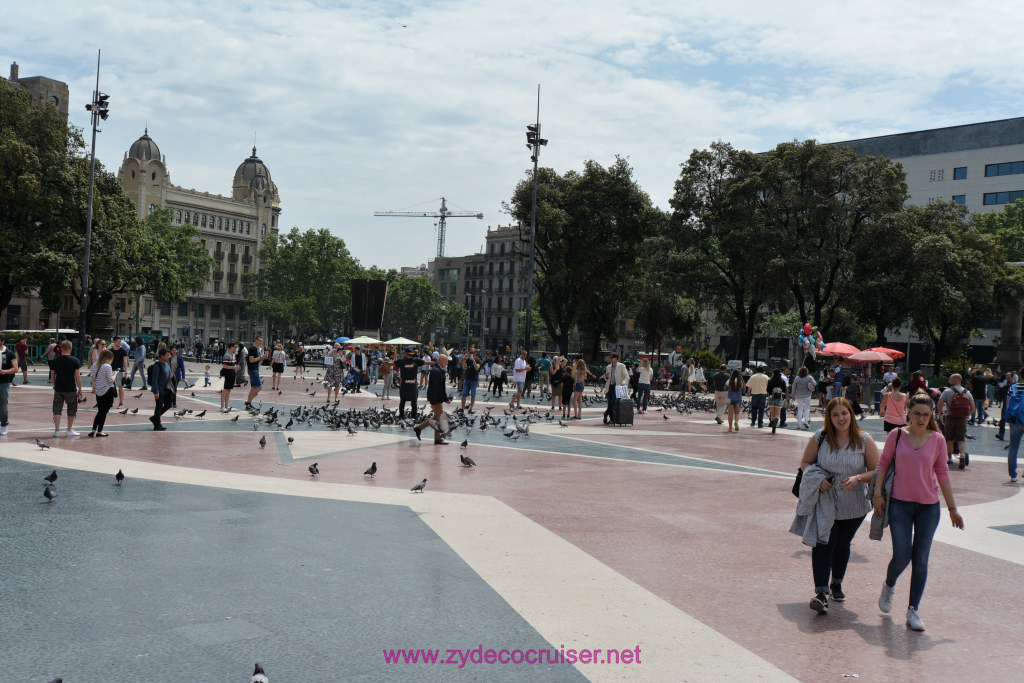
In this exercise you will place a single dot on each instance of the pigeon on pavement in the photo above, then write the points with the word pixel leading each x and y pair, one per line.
pixel 42 446
pixel 371 470
pixel 235 418
pixel 119 477
pixel 464 444
pixel 50 492
pixel 291 439
pixel 263 441
pixel 418 488
pixel 201 414
pixel 51 477
pixel 466 460
pixel 259 675
pixel 314 470
pixel 124 412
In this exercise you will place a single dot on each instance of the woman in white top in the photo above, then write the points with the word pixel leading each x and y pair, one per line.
pixel 698 377
pixel 277 361
pixel 103 385
pixel 334 370
pixel 643 385
pixel 496 370
pixel 94 358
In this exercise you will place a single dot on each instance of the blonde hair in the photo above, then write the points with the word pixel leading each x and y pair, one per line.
pixel 645 363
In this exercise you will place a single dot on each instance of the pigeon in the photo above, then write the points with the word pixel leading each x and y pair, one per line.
pixel 57 680
pixel 201 414
pixel 259 675
pixel 50 492
pixel 464 444
pixel 51 477
pixel 350 432
pixel 134 411
pixel 291 439
pixel 42 446
pixel 664 417
pixel 124 412
pixel 314 470
pixel 235 418
pixel 466 460
pixel 371 470
pixel 138 395
pixel 418 488
pixel 119 477
pixel 263 441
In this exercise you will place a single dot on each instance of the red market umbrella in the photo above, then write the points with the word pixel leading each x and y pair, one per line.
pixel 892 353
pixel 838 349
pixel 870 357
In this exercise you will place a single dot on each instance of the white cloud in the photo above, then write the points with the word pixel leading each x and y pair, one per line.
pixel 354 113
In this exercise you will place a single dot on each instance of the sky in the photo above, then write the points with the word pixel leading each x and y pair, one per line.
pixel 357 107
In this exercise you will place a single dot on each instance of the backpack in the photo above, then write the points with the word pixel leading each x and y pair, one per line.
pixel 150 371
pixel 1015 405
pixel 960 406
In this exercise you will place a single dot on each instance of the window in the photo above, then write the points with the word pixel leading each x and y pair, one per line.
pixel 188 217
pixel 960 198
pixel 195 219
pixel 148 308
pixel 177 216
pixel 182 309
pixel 960 173
pixel 231 267
pixel 220 223
pixel 1008 168
pixel 454 289
pixel 1003 197
pixel 216 286
pixel 214 310
pixel 165 308
pixel 263 230
pixel 13 317
pixel 231 288
pixel 232 230
pixel 200 310
pixel 248 229
pixel 444 288
pixel 203 243
pixel 229 312
pixel 937 175
pixel 234 224
pixel 153 176
pixel 203 222
pixel 245 269
pixel 273 221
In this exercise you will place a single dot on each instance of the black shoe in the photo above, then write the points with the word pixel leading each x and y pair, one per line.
pixel 417 430
pixel 967 459
pixel 837 591
pixel 819 603
pixel 440 443
pixel 963 461
pixel 999 436
pixel 718 419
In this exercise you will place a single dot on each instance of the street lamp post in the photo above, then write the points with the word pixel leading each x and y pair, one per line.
pixel 533 142
pixel 98 110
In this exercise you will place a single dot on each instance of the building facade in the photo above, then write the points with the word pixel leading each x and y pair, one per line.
pixel 43 90
pixel 232 229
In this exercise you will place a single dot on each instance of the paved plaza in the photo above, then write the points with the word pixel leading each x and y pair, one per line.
pixel 666 543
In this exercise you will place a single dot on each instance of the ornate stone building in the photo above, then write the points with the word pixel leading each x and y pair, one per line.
pixel 231 228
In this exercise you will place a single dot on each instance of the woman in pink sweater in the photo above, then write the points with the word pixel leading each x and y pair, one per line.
pixel 921 472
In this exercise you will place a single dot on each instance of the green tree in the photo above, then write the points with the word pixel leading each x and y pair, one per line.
pixel 958 270
pixel 304 281
pixel 658 314
pixel 814 202
pixel 41 198
pixel 590 227
pixel 413 306
pixel 456 318
pixel 714 248
pixel 1008 226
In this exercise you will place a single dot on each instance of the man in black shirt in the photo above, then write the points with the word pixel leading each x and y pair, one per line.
pixel 470 379
pixel 255 357
pixel 119 365
pixel 66 378
pixel 437 396
pixel 978 386
pixel 8 369
pixel 408 391
pixel 720 380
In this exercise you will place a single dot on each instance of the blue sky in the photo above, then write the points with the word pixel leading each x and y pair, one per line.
pixel 354 113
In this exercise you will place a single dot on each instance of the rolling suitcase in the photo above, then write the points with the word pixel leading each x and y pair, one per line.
pixel 624 412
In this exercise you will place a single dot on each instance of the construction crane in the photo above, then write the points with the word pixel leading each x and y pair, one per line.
pixel 441 216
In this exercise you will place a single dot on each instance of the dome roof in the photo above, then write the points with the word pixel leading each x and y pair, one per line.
pixel 144 149
pixel 253 173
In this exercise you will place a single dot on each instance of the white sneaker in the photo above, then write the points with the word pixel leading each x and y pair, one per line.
pixel 885 599
pixel 914 622
pixel 56 433
pixel 3 430
pixel 72 432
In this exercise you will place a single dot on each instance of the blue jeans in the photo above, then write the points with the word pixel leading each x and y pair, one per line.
pixel 757 403
pixel 1016 432
pixel 139 367
pixel 979 411
pixel 5 396
pixel 374 368
pixel 643 395
pixel 912 527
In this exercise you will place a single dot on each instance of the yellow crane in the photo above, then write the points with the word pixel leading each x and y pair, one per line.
pixel 441 216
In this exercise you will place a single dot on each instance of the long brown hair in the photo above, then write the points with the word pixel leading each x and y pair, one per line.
pixel 921 398
pixel 736 381
pixel 856 434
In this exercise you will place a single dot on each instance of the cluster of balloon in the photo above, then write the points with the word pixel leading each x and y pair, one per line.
pixel 810 343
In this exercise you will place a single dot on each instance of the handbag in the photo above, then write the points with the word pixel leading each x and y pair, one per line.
pixel 820 436
pixel 621 391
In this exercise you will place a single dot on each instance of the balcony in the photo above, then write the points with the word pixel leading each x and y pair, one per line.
pixel 218 255
pixel 218 274
pixel 233 257
pixel 232 277
pixel 246 258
